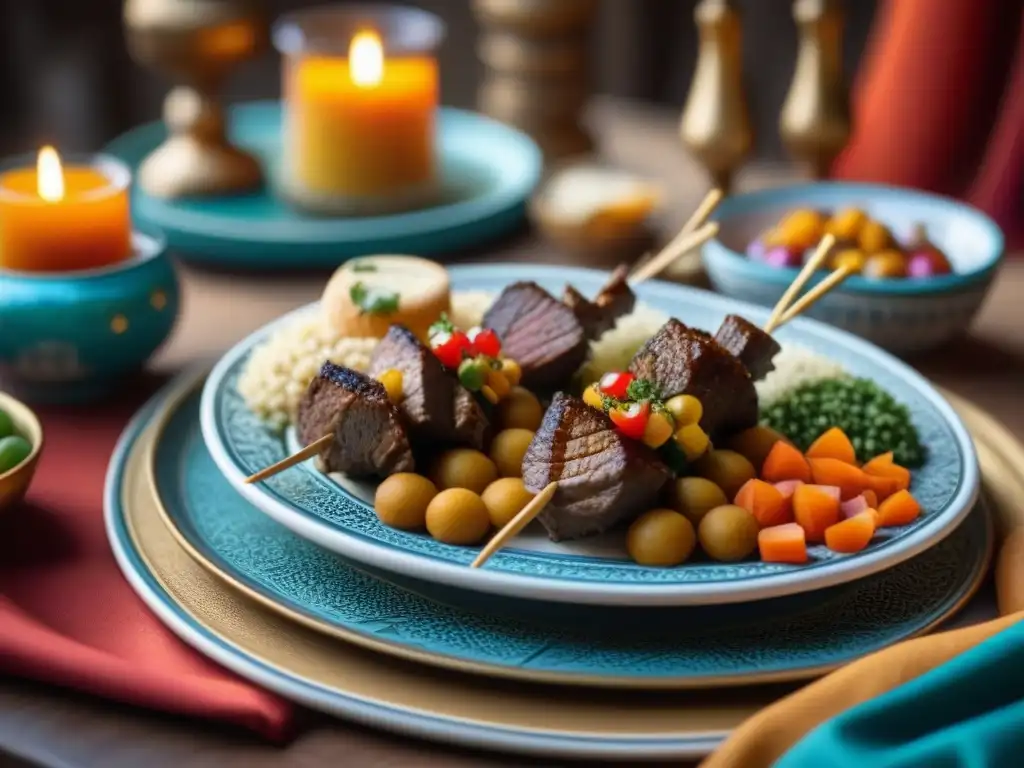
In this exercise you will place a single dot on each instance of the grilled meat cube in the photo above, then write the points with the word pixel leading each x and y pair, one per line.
pixel 754 348
pixel 369 439
pixel 540 333
pixel 685 361
pixel 435 405
pixel 613 301
pixel 604 478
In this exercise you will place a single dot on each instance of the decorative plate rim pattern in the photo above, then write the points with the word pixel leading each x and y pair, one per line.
pixel 557 577
pixel 413 635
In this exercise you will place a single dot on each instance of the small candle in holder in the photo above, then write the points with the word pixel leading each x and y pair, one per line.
pixel 57 219
pixel 360 103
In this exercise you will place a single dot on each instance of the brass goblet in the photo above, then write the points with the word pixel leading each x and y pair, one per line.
pixel 196 43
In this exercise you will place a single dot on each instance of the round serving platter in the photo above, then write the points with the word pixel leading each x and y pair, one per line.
pixel 776 640
pixel 487 170
pixel 340 518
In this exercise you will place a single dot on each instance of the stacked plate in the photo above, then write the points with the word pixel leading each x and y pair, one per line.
pixel 567 649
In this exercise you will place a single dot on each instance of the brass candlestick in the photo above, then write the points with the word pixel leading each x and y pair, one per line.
pixel 715 125
pixel 815 119
pixel 195 42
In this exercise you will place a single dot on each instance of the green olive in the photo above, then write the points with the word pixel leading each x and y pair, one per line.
pixel 520 410
pixel 693 497
pixel 457 516
pixel 728 533
pixel 463 468
pixel 660 537
pixel 6 424
pixel 728 470
pixel 508 449
pixel 504 499
pixel 401 501
pixel 13 451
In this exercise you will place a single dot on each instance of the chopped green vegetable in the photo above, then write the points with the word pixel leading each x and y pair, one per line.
pixel 6 424
pixel 642 389
pixel 874 421
pixel 473 373
pixel 363 266
pixel 374 301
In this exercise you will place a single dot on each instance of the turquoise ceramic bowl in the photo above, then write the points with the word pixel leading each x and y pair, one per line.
pixel 902 316
pixel 72 337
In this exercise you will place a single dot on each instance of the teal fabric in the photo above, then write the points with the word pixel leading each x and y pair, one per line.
pixel 968 713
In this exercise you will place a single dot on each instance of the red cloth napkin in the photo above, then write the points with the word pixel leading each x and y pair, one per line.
pixel 67 615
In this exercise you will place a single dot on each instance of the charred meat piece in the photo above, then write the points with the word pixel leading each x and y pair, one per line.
pixel 685 361
pixel 540 333
pixel 604 478
pixel 369 439
pixel 613 301
pixel 754 348
pixel 435 405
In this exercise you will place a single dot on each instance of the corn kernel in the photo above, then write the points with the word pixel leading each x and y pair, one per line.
pixel 685 409
pixel 692 440
pixel 513 372
pixel 592 397
pixel 658 430
pixel 392 381
pixel 490 394
pixel 496 381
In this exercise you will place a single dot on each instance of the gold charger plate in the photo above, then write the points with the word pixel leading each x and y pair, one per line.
pixel 336 677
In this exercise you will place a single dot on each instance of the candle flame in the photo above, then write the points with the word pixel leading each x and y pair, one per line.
pixel 366 59
pixel 49 175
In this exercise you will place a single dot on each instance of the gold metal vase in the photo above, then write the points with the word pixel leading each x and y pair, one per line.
pixel 715 124
pixel 196 43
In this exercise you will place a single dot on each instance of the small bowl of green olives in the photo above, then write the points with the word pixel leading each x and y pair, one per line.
pixel 21 443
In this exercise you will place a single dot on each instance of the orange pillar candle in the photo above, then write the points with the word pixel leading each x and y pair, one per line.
pixel 360 104
pixel 56 219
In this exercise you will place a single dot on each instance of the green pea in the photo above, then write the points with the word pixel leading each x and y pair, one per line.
pixel 13 451
pixel 6 424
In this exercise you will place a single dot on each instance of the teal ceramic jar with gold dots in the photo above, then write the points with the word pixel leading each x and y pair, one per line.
pixel 75 336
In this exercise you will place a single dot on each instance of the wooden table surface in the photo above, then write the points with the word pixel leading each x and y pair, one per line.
pixel 49 727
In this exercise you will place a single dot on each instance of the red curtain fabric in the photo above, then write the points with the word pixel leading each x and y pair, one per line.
pixel 939 104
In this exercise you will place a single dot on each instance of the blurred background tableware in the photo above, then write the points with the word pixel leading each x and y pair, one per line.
pixel 902 315
pixel 21 445
pixel 197 44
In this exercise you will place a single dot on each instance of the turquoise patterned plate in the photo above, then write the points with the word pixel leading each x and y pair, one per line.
pixel 594 571
pixel 488 171
pixel 771 640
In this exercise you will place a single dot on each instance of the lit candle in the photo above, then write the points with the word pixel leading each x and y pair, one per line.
pixel 360 125
pixel 55 219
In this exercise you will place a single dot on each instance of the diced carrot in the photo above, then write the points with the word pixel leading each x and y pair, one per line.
pixel 899 509
pixel 852 534
pixel 831 490
pixel 783 544
pixel 850 479
pixel 765 502
pixel 786 488
pixel 815 511
pixel 785 462
pixel 854 506
pixel 870 497
pixel 883 487
pixel 834 444
pixel 884 466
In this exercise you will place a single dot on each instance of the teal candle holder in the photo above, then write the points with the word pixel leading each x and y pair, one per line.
pixel 73 337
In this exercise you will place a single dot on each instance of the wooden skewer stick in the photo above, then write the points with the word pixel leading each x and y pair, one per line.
pixel 673 251
pixel 808 299
pixel 708 204
pixel 516 524
pixel 812 266
pixel 308 452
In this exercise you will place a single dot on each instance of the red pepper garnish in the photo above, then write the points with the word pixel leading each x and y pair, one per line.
pixel 631 418
pixel 616 384
pixel 450 348
pixel 485 342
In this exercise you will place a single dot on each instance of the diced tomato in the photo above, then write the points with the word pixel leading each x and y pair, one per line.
pixel 616 384
pixel 450 348
pixel 485 342
pixel 631 418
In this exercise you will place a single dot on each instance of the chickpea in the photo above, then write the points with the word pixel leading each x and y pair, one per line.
pixel 504 499
pixel 401 501
pixel 874 237
pixel 694 497
pixel 457 516
pixel 726 469
pixel 520 410
pixel 507 451
pixel 463 468
pixel 661 537
pixel 846 224
pixel 801 229
pixel 728 533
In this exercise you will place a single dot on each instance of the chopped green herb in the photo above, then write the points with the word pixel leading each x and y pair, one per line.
pixel 374 301
pixel 441 325
pixel 642 389
pixel 363 266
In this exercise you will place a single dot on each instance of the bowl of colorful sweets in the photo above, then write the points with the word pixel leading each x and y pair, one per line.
pixel 921 265
pixel 21 443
